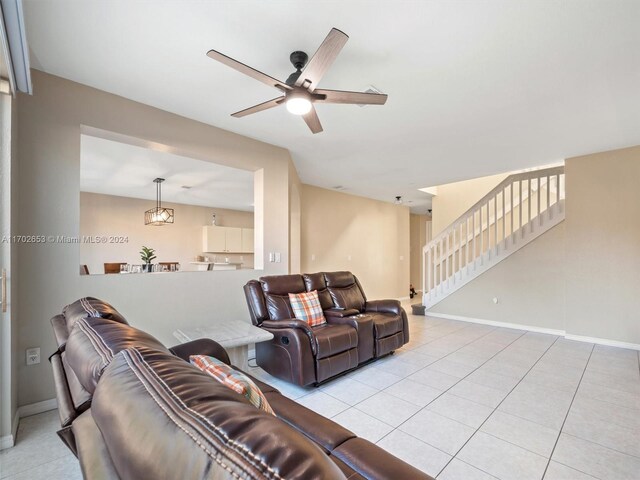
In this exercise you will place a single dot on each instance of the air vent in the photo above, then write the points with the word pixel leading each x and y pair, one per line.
pixel 186 187
pixel 371 89
pixel 338 187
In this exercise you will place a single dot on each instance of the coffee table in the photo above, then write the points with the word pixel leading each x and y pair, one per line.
pixel 233 335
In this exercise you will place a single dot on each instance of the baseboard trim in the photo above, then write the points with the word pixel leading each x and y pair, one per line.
pixel 530 328
pixel 494 323
pixel 38 407
pixel 9 441
pixel 402 299
pixel 603 341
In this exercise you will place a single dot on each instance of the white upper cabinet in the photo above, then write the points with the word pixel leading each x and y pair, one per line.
pixel 227 239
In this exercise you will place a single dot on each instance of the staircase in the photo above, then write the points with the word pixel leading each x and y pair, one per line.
pixel 522 207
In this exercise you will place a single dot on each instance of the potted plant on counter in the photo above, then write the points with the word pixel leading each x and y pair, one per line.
pixel 147 255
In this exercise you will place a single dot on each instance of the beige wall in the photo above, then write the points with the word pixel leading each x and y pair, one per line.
pixel 417 240
pixel 453 199
pixel 368 237
pixel 106 215
pixel 49 126
pixel 603 245
pixel 529 286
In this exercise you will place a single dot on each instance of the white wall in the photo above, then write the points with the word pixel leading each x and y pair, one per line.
pixel 49 124
pixel 110 215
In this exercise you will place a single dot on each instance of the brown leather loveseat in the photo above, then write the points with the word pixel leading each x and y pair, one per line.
pixel 357 330
pixel 133 409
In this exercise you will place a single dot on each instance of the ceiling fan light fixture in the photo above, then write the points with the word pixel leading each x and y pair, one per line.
pixel 298 105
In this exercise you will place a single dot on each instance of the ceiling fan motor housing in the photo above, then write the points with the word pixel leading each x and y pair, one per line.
pixel 299 60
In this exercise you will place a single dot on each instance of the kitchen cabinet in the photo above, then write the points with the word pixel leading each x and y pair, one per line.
pixel 247 240
pixel 227 239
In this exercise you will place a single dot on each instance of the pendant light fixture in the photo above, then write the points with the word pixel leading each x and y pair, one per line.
pixel 158 215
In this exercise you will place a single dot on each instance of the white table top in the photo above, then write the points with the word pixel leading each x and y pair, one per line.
pixel 229 334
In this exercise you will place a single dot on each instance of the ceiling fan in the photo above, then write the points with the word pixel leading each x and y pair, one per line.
pixel 299 91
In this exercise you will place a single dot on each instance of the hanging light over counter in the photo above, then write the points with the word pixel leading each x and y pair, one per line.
pixel 158 215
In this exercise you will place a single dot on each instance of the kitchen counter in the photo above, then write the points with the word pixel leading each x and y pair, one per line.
pixel 202 266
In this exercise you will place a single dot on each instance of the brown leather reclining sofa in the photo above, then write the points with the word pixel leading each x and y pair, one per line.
pixel 132 409
pixel 357 330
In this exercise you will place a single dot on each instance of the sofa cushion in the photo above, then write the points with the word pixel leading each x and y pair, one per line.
pixel 306 307
pixel 282 284
pixel 385 324
pixel 316 281
pixel 347 297
pixel 334 339
pixel 233 379
pixel 345 290
pixel 160 417
pixel 90 307
pixel 94 341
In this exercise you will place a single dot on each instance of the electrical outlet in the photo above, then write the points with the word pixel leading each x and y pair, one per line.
pixel 349 257
pixel 278 257
pixel 271 257
pixel 495 300
pixel 33 356
pixel 313 257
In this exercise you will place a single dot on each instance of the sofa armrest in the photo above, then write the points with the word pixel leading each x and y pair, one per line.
pixel 383 306
pixel 293 323
pixel 351 321
pixel 340 313
pixel 201 346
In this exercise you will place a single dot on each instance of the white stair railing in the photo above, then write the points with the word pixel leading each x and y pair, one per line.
pixel 517 210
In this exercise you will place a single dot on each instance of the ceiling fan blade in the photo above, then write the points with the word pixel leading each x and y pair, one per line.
pixel 322 59
pixel 342 96
pixel 312 120
pixel 260 107
pixel 247 70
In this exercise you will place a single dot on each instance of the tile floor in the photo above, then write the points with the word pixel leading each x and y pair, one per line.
pixel 467 401
pixel 460 401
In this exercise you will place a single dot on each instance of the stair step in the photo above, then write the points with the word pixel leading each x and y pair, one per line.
pixel 417 309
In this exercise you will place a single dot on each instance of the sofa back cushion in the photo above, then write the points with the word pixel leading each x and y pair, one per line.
pixel 345 290
pixel 276 289
pixel 90 307
pixel 316 281
pixel 160 417
pixel 93 342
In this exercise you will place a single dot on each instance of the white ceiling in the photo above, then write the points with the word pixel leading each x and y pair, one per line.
pixel 116 168
pixel 475 87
